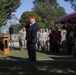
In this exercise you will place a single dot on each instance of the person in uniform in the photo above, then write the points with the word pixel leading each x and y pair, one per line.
pixel 40 38
pixel 23 36
pixel 20 40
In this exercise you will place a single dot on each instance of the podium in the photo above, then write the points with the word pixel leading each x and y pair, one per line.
pixel 4 40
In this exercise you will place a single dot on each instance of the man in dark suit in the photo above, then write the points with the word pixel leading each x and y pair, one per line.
pixel 31 37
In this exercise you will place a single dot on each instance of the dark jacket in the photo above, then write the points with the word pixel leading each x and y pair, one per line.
pixel 31 34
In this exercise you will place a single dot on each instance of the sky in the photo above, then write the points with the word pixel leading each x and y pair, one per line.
pixel 27 5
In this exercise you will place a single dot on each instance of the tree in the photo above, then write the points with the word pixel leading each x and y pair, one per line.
pixel 24 18
pixel 73 3
pixel 16 28
pixel 48 10
pixel 6 9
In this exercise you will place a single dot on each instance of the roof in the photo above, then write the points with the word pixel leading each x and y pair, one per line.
pixel 70 17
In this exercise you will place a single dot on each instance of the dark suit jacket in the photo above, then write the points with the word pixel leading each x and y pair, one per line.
pixel 31 34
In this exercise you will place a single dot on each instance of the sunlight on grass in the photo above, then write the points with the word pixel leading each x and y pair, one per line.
pixel 62 71
pixel 71 71
pixel 55 70
pixel 20 73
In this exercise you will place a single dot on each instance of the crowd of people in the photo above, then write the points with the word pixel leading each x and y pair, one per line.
pixel 51 39
pixel 54 40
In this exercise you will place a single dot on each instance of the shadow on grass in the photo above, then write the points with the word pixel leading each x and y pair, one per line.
pixel 51 53
pixel 36 67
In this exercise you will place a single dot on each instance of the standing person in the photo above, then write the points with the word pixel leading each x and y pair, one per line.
pixel 44 38
pixel 51 41
pixel 56 39
pixel 23 36
pixel 63 40
pixel 19 39
pixel 31 37
pixel 69 38
pixel 40 38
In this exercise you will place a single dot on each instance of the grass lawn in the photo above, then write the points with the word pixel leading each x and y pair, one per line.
pixel 15 67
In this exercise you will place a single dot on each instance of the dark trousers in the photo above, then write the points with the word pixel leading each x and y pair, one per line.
pixel 31 51
pixel 69 49
pixel 56 47
pixel 51 47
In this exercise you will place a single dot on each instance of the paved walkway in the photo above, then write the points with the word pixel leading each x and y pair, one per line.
pixel 41 60
pixel 57 60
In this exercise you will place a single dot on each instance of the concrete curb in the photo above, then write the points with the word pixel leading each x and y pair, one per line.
pixel 40 60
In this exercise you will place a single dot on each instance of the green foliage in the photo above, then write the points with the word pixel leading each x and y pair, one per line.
pixel 45 11
pixel 16 28
pixel 41 25
pixel 59 26
pixel 48 10
pixel 27 14
pixel 6 9
pixel 73 3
